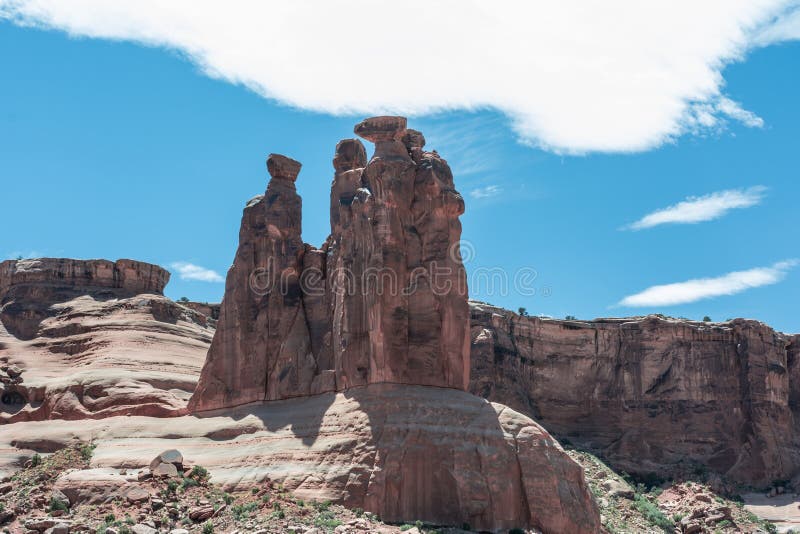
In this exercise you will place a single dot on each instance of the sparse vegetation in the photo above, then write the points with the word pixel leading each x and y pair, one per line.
pixel 522 312
pixel 57 504
pixel 208 528
pixel 706 319
pixel 651 512
pixel 571 318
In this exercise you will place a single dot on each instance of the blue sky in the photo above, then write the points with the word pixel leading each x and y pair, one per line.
pixel 111 149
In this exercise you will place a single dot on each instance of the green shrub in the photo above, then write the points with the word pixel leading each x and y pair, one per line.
pixel 651 512
pixel 86 450
pixel 208 528
pixel 57 504
pixel 188 483
pixel 199 473
pixel 242 511
pixel 36 459
pixel 326 520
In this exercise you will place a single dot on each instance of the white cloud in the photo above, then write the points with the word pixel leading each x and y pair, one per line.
pixel 486 192
pixel 785 27
pixel 190 271
pixel 705 288
pixel 701 209
pixel 573 76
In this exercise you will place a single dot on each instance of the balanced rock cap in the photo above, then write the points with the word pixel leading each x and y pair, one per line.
pixel 280 166
pixel 386 128
pixel 350 154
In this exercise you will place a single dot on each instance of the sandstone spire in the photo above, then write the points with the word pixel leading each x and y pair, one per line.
pixel 384 299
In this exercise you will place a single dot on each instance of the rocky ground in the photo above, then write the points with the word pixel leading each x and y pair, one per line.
pixel 47 496
pixel 689 507
pixel 50 495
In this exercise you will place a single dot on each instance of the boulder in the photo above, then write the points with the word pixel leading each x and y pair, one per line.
pixel 165 470
pixel 171 456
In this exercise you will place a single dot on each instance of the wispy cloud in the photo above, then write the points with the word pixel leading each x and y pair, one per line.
pixel 785 27
pixel 486 192
pixel 700 209
pixel 190 271
pixel 640 73
pixel 706 288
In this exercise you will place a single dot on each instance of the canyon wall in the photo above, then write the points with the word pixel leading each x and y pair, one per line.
pixel 652 395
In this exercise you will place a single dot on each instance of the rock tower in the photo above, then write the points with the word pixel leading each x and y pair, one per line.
pixel 384 300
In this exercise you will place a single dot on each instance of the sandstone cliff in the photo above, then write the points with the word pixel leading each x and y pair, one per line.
pixel 94 338
pixel 652 395
pixel 29 287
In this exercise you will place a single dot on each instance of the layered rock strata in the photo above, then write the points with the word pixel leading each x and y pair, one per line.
pixel 434 454
pixel 28 288
pixel 654 396
pixel 94 338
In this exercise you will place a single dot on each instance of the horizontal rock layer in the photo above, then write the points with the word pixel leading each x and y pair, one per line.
pixel 94 357
pixel 123 277
pixel 438 455
pixel 28 288
pixel 652 395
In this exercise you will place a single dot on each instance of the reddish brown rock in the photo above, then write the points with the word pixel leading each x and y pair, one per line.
pixel 384 299
pixel 98 348
pixel 404 452
pixel 653 395
pixel 262 349
pixel 379 311
pixel 28 288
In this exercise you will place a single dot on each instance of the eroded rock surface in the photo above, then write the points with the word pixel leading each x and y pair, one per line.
pixel 93 338
pixel 29 287
pixel 653 395
pixel 378 312
pixel 401 451
pixel 384 300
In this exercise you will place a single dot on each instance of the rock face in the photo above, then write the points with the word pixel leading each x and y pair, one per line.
pixel 652 395
pixel 383 301
pixel 94 339
pixel 435 454
pixel 29 287
pixel 381 312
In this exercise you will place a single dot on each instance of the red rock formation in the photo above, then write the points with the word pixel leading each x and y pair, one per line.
pixel 384 299
pixel 28 288
pixel 379 311
pixel 653 395
pixel 95 339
